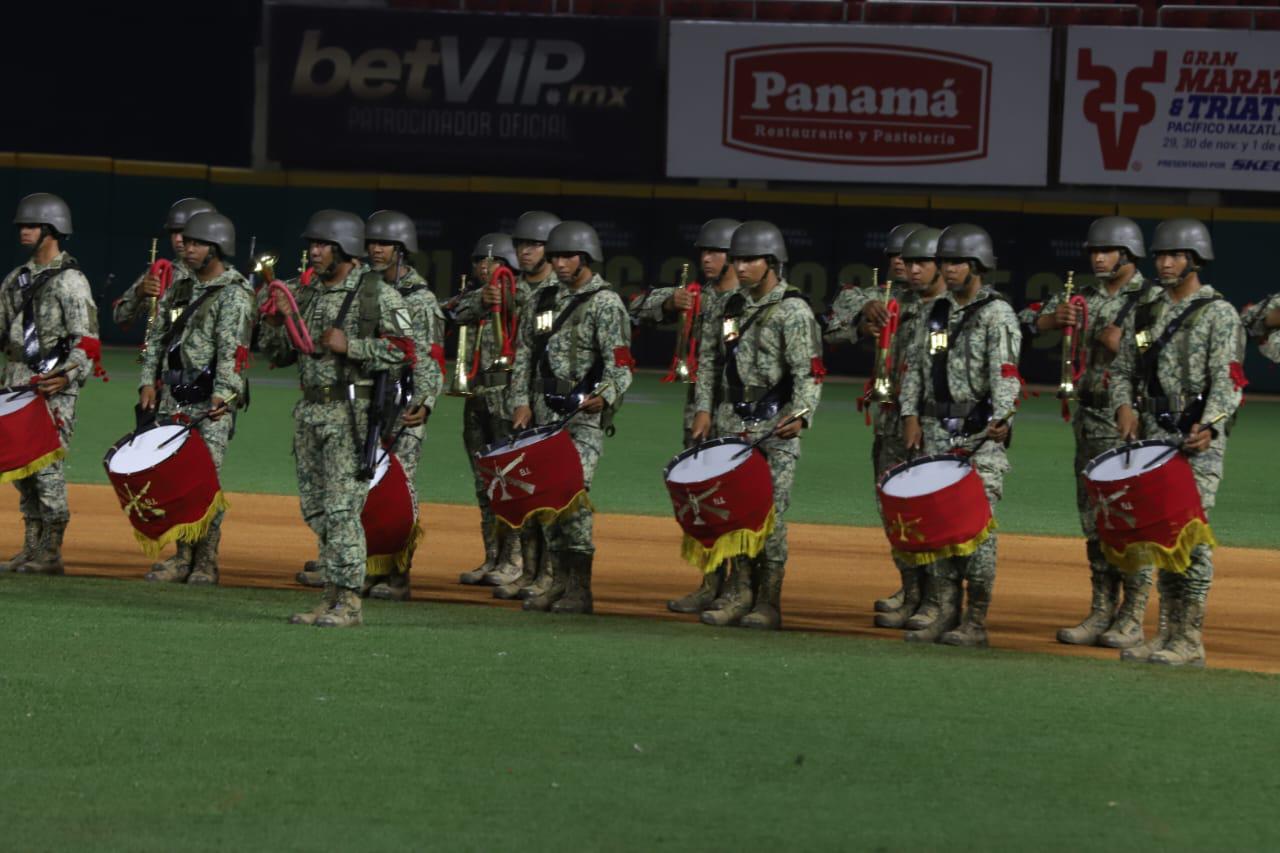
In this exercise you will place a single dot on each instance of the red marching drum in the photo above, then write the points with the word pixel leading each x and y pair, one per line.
pixel 535 474
pixel 390 519
pixel 29 438
pixel 722 495
pixel 934 507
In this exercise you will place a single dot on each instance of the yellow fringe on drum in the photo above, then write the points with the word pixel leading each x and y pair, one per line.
pixel 964 549
pixel 738 543
pixel 384 565
pixel 547 515
pixel 191 532
pixel 32 467
pixel 1137 555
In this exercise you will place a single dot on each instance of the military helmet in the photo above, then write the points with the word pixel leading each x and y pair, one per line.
pixel 500 245
pixel 391 226
pixel 44 209
pixel 758 239
pixel 970 242
pixel 898 235
pixel 183 209
pixel 1116 232
pixel 922 244
pixel 534 226
pixel 210 227
pixel 573 235
pixel 337 226
pixel 1183 235
pixel 716 234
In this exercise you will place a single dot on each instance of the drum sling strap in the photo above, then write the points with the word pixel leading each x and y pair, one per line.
pixel 196 384
pixel 1130 303
pixel 29 287
pixel 756 406
pixel 976 413
pixel 541 340
pixel 1154 397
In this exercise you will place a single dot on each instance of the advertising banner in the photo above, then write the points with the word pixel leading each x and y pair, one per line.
pixel 1172 108
pixel 858 103
pixel 402 90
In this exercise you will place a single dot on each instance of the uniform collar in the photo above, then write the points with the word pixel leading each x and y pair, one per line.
pixel 57 261
pixel 351 282
pixel 772 296
pixel 593 284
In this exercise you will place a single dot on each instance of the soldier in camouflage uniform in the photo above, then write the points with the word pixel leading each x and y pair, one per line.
pixel 668 304
pixel 49 326
pixel 486 414
pixel 1114 244
pixel 359 326
pixel 761 359
pixel 1178 376
pixel 192 364
pixel 1260 322
pixel 973 328
pixel 133 303
pixel 573 352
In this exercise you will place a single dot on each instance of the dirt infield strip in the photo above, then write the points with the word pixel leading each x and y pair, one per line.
pixel 834 573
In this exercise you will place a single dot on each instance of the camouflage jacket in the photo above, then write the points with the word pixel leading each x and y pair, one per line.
pixel 912 334
pixel 319 305
pixel 428 337
pixel 131 304
pixel 781 341
pixel 216 334
pixel 598 331
pixel 981 356
pixel 482 345
pixel 842 319
pixel 1103 310
pixel 64 313
pixel 1202 358
pixel 1254 318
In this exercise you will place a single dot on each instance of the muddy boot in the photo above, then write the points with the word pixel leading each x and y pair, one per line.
pixel 1186 638
pixel 543 577
pixel 476 575
pixel 31 535
pixel 48 558
pixel 175 569
pixel 943 600
pixel 766 611
pixel 1102 612
pixel 1142 652
pixel 930 604
pixel 310 574
pixel 577 596
pixel 392 588
pixel 1126 631
pixel 736 600
pixel 531 559
pixel 890 602
pixel 551 584
pixel 205 571
pixel 700 599
pixel 345 612
pixel 309 617
pixel 509 564
pixel 972 630
pixel 912 593
pixel 722 598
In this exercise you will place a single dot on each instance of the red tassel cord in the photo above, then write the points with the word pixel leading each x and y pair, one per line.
pixel 687 320
pixel 817 369
pixel 406 346
pixel 437 355
pixel 623 358
pixel 505 311
pixel 92 347
pixel 293 325
pixel 243 359
pixel 884 343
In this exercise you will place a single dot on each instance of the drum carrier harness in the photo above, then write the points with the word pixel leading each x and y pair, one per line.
pixel 35 360
pixel 562 396
pixel 958 419
pixel 1174 412
pixel 752 402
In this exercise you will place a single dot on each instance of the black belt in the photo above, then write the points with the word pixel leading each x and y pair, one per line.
pixel 1173 403
pixel 945 411
pixel 495 378
pixel 1094 399
pixel 747 393
pixel 189 386
pixel 334 393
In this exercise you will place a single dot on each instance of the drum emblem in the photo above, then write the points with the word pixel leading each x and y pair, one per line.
pixel 694 504
pixel 147 508
pixel 502 477
pixel 1108 505
pixel 906 531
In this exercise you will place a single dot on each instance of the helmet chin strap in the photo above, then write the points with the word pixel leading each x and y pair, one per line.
pixel 1190 268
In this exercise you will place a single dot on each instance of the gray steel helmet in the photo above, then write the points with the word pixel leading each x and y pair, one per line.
pixel 44 209
pixel 185 208
pixel 921 245
pixel 337 226
pixel 501 246
pixel 1116 232
pixel 212 228
pixel 392 226
pixel 716 234
pixel 534 226
pixel 1183 235
pixel 970 242
pixel 898 235
pixel 573 235
pixel 758 239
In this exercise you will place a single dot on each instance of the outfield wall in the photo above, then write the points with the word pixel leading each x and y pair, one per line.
pixel 833 237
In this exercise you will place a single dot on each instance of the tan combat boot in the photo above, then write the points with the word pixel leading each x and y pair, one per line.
pixel 930 604
pixel 550 585
pixel 890 602
pixel 174 569
pixel 31 535
pixel 1102 611
pixel 912 594
pixel 310 574
pixel 476 575
pixel 394 587
pixel 48 558
pixel 309 617
pixel 346 611
pixel 205 569
pixel 766 611
pixel 736 600
pixel 1126 631
pixel 1169 612
pixel 531 554
pixel 972 630
pixel 577 595
pixel 702 597
pixel 510 562
pixel 1186 642
pixel 943 600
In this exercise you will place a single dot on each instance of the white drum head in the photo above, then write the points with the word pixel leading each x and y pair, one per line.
pixel 524 441
pixel 143 451
pixel 711 462
pixel 1113 468
pixel 14 401
pixel 384 465
pixel 926 478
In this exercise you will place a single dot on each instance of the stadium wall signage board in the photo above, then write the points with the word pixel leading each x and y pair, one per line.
pixel 392 90
pixel 1172 108
pixel 858 103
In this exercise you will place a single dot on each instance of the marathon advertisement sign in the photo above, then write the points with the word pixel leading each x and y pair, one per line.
pixel 1172 108
pixel 858 103
pixel 396 90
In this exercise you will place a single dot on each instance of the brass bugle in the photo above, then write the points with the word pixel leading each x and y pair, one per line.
pixel 1066 376
pixel 153 303
pixel 459 383
pixel 680 364
pixel 882 382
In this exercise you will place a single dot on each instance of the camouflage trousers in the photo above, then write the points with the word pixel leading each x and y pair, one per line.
pixel 1207 468
pixel 216 434
pixel 481 426
pixel 332 495
pixel 888 449
pixel 1095 433
pixel 43 495
pixel 408 450
pixel 991 462
pixel 782 456
pixel 574 532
